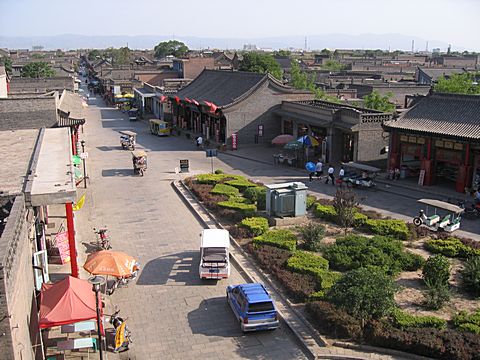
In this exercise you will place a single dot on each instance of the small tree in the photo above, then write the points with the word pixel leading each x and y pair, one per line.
pixel 38 69
pixel 437 295
pixel 436 273
pixel 470 275
pixel 364 293
pixel 7 62
pixel 312 235
pixel 345 202
pixel 379 102
pixel 458 84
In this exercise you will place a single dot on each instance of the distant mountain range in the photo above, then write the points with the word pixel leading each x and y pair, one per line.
pixel 314 42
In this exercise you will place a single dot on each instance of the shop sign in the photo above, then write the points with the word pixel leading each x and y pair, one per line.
pixel 412 139
pixel 184 165
pixel 260 130
pixel 448 144
pixel 458 146
pixel 438 143
pixel 234 141
pixel 61 241
pixel 404 138
pixel 421 140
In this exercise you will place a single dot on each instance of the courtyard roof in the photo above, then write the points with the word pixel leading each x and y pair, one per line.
pixel 443 114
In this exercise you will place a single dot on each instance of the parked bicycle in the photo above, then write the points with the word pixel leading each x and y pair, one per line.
pixel 103 240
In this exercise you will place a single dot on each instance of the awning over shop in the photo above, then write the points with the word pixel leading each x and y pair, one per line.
pixel 65 302
pixel 51 179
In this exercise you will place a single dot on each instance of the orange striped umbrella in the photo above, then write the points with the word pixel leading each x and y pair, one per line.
pixel 108 262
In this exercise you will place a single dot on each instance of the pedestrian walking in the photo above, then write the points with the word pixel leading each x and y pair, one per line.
pixel 341 173
pixel 199 141
pixel 319 169
pixel 331 174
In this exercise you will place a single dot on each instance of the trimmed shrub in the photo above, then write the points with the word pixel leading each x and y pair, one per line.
pixel 255 225
pixel 311 201
pixel 247 210
pixel 436 270
pixel 388 227
pixel 329 319
pixel 223 189
pixel 238 199
pixel 312 235
pixel 356 251
pixel 262 199
pixel 450 247
pixel 256 195
pixel 468 322
pixel 436 296
pixel 219 171
pixel 326 212
pixel 402 320
pixel 430 342
pixel 359 219
pixel 364 293
pixel 470 275
pixel 211 179
pixel 305 262
pixel 283 239
pixel 240 183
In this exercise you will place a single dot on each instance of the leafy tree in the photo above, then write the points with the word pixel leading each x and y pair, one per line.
pixel 7 62
pixel 379 102
pixel 326 52
pixel 171 47
pixel 38 69
pixel 93 54
pixel 436 296
pixel 364 293
pixel 333 65
pixel 38 56
pixel 345 202
pixel 458 84
pixel 470 275
pixel 282 53
pixel 261 63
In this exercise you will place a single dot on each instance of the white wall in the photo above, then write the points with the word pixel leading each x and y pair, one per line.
pixel 3 86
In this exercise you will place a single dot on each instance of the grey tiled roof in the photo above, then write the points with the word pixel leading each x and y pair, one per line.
pixel 71 104
pixel 27 113
pixel 435 74
pixel 225 88
pixel 443 114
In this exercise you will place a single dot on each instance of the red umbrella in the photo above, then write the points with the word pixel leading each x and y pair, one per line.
pixel 65 302
pixel 282 139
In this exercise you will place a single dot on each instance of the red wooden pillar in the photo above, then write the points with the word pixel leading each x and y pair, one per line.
pixel 74 150
pixel 71 239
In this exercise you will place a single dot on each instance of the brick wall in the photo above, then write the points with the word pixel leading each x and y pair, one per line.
pixel 257 109
pixel 17 288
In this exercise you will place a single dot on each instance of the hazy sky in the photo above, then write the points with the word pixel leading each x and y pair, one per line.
pixel 452 21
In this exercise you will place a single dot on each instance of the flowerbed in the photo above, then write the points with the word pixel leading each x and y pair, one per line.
pixel 223 189
pixel 246 210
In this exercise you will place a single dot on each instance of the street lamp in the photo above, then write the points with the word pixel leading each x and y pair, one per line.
pixel 84 167
pixel 96 282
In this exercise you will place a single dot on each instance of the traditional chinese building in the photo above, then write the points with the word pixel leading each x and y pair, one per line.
pixel 438 140
pixel 218 104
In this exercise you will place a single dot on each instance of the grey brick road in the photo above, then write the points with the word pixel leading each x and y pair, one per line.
pixel 172 314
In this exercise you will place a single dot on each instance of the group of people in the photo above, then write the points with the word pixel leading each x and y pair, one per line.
pixel 330 173
pixel 393 174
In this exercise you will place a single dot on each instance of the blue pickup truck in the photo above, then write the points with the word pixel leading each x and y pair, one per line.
pixel 253 307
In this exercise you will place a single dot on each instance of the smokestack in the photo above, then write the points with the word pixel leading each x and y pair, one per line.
pixel 413 46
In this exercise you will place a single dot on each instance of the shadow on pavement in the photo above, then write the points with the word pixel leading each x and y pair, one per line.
pixel 90 247
pixel 109 148
pixel 118 172
pixel 179 268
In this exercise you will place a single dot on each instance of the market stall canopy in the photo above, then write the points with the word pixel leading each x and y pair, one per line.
pixel 282 139
pixel 68 301
pixel 308 140
pixel 108 262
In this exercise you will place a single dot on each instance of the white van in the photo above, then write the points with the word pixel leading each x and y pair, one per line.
pixel 214 251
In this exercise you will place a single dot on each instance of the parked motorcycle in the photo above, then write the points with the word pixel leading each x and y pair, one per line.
pixel 103 240
pixel 123 281
pixel 123 337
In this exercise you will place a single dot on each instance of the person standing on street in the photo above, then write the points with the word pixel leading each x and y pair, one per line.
pixel 341 173
pixel 319 169
pixel 331 174
pixel 199 141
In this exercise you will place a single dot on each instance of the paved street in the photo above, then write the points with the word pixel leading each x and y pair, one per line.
pixel 171 313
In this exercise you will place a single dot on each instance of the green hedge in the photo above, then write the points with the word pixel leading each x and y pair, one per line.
pixel 223 189
pixel 450 247
pixel 255 225
pixel 359 219
pixel 247 210
pixel 238 199
pixel 283 239
pixel 310 201
pixel 241 183
pixel 356 251
pixel 256 194
pixel 305 262
pixel 403 320
pixel 217 178
pixel 326 212
pixel 388 227
pixel 468 322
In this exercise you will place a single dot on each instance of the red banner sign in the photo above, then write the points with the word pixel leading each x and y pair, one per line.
pixel 61 239
pixel 234 141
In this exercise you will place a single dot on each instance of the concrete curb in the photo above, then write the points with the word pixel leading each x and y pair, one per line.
pixel 246 273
